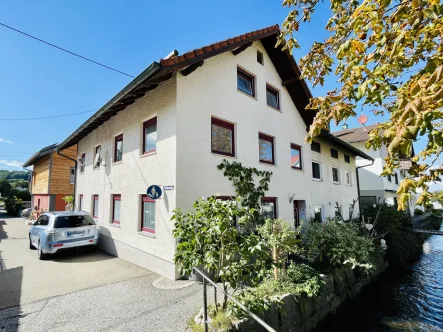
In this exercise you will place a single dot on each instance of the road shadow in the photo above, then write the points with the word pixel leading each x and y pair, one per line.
pixel 10 290
pixel 80 255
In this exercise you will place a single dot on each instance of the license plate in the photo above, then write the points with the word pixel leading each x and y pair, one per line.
pixel 74 233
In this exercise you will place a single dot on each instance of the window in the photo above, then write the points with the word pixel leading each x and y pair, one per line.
pixel 348 178
pixel 396 178
pixel 222 137
pixel 73 221
pixel 389 178
pixel 266 149
pixel 116 199
pixel 97 157
pixel 316 170
pixel 260 57
pixel 43 220
pixel 318 214
pixel 272 97
pixel 80 202
pixel 95 206
pixel 118 148
pixel 335 175
pixel 296 161
pixel 338 212
pixel 82 162
pixel 150 135
pixel 315 146
pixel 269 207
pixel 347 159
pixel 72 175
pixel 334 153
pixel 351 211
pixel 245 83
pixel 148 215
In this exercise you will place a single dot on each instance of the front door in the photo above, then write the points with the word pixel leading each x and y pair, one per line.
pixel 296 213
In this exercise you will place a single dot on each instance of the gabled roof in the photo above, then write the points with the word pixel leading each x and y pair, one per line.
pixel 163 70
pixel 354 135
pixel 327 135
pixel 38 155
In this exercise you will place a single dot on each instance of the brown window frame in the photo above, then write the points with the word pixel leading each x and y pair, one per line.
pixel 145 198
pixel 226 125
pixel 297 147
pixel 243 73
pixel 274 90
pixel 95 154
pixel 82 165
pixel 146 124
pixel 116 197
pixel 268 138
pixel 95 198
pixel 118 138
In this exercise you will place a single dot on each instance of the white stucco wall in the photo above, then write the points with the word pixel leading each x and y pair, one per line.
pixel 212 91
pixel 131 177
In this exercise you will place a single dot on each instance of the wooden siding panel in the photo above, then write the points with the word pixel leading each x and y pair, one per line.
pixel 41 176
pixel 60 172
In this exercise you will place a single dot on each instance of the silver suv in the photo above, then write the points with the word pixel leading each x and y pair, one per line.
pixel 54 231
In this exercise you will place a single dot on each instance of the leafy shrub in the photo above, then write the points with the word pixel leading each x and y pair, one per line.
pixel 389 218
pixel 337 244
pixel 298 279
pixel 418 212
pixel 404 247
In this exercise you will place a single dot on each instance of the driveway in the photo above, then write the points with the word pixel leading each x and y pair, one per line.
pixel 85 291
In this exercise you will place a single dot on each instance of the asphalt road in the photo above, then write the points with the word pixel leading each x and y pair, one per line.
pixel 85 291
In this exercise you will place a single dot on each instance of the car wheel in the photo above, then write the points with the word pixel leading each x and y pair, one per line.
pixel 31 246
pixel 41 255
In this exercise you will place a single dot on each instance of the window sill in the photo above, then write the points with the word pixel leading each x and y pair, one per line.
pixel 223 155
pixel 297 169
pixel 274 108
pixel 96 168
pixel 117 163
pixel 318 180
pixel 147 154
pixel 334 182
pixel 349 185
pixel 115 225
pixel 151 235
pixel 267 164
pixel 247 94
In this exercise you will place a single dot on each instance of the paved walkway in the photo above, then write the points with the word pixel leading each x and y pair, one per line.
pixel 84 291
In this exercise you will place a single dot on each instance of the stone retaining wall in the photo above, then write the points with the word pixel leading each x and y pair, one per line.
pixel 303 313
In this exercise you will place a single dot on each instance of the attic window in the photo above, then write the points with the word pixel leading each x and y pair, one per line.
pixel 245 83
pixel 260 57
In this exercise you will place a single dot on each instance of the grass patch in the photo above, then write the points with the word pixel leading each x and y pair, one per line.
pixel 219 320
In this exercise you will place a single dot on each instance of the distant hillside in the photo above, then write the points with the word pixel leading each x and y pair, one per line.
pixel 13 175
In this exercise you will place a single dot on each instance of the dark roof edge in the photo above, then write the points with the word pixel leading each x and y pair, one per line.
pixel 38 155
pixel 326 135
pixel 154 68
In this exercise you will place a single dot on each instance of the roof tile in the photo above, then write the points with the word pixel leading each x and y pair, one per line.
pixel 354 135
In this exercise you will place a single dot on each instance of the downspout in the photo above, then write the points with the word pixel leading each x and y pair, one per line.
pixel 75 177
pixel 358 184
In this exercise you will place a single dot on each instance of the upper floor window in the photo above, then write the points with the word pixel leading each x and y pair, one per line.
pixel 222 137
pixel 82 163
pixel 296 156
pixel 316 170
pixel 150 135
pixel 97 156
pixel 116 203
pixel 245 82
pixel 260 57
pixel 347 159
pixel 396 178
pixel 348 178
pixel 272 97
pixel 118 148
pixel 269 207
pixel 389 178
pixel 266 149
pixel 335 175
pixel 315 146
pixel 72 175
pixel 334 153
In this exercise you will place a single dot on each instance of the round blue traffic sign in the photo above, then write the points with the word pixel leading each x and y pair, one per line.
pixel 154 192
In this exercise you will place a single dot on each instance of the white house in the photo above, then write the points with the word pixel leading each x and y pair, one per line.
pixel 242 100
pixel 373 187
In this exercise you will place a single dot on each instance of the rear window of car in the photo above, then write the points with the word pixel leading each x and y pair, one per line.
pixel 73 221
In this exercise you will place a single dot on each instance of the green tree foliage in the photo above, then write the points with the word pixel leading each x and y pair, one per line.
pixel 207 237
pixel 5 188
pixel 387 56
pixel 13 175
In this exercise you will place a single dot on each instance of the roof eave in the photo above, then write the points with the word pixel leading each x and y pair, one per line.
pixel 358 152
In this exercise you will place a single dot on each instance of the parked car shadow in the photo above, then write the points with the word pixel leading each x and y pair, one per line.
pixel 80 255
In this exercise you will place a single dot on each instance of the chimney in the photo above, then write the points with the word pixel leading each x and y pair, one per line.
pixel 344 126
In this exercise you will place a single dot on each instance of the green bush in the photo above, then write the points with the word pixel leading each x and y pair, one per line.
pixel 418 212
pixel 404 247
pixel 389 218
pixel 334 243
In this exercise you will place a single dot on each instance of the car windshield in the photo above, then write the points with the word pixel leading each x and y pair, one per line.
pixel 73 221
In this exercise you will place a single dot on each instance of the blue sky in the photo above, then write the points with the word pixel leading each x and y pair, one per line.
pixel 37 80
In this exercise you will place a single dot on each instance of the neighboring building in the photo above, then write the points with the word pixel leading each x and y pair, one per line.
pixel 373 187
pixel 52 178
pixel 240 100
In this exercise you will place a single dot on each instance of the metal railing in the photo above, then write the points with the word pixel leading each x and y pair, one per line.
pixel 205 303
